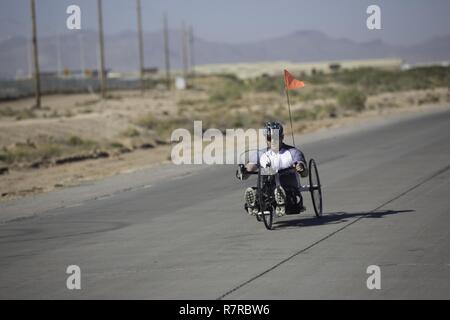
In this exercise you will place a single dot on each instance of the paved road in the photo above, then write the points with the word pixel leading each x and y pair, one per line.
pixel 387 199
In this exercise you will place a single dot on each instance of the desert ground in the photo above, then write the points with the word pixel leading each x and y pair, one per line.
pixel 76 138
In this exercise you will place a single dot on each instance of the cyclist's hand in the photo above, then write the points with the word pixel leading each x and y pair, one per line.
pixel 300 167
pixel 241 172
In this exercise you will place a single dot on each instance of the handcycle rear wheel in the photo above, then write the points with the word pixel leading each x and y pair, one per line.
pixel 315 188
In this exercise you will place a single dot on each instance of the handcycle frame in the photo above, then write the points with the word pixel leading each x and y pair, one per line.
pixel 266 199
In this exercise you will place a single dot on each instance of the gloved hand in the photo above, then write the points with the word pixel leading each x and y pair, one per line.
pixel 301 168
pixel 241 173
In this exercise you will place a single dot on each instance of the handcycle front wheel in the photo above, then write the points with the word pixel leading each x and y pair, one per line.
pixel 267 216
pixel 315 188
pixel 265 210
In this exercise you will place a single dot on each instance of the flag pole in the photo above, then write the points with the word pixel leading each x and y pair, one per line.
pixel 290 117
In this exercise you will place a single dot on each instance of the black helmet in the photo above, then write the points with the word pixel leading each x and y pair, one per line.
pixel 273 125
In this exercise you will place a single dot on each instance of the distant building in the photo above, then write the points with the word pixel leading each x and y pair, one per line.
pixel 150 71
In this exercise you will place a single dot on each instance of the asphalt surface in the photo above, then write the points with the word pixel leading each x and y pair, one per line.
pixel 386 203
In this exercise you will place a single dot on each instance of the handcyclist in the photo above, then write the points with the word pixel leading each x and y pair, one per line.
pixel 276 156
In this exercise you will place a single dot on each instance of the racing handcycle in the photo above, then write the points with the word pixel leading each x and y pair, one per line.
pixel 268 179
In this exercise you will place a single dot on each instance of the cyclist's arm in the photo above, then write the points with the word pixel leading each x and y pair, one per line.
pixel 244 171
pixel 251 167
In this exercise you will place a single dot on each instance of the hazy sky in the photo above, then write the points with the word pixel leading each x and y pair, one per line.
pixel 403 21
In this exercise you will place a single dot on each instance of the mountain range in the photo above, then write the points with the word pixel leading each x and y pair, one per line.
pixel 121 51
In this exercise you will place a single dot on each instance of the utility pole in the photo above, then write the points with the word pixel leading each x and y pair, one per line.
pixel 141 44
pixel 184 50
pixel 37 82
pixel 58 56
pixel 101 53
pixel 29 58
pixel 166 51
pixel 191 50
pixel 82 64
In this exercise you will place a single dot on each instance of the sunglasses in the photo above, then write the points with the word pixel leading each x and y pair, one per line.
pixel 269 138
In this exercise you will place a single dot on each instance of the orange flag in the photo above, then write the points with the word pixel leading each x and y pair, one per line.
pixel 290 82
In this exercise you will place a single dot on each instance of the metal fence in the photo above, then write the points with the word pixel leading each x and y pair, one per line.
pixel 15 89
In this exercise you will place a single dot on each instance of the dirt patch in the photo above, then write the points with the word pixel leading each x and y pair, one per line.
pixel 18 183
